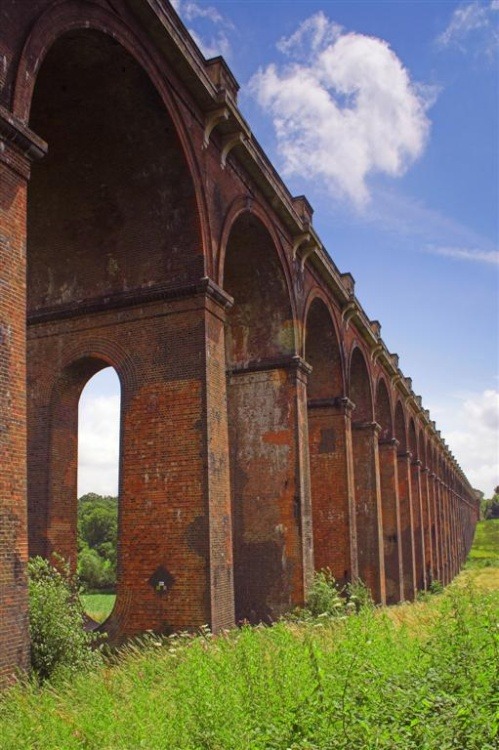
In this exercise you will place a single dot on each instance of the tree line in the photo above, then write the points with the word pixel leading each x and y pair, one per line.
pixel 97 541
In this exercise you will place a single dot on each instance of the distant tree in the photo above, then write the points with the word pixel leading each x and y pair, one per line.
pixel 490 507
pixel 97 540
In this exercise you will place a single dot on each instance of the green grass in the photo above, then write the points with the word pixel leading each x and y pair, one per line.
pixel 422 676
pixel 485 549
pixel 98 606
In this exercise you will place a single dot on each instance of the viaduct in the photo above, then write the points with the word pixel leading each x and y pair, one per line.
pixel 266 430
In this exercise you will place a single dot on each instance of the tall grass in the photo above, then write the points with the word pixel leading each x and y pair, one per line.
pixel 425 679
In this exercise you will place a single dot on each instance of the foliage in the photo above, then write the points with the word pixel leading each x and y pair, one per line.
pixel 489 508
pixel 97 541
pixel 425 681
pixel 59 643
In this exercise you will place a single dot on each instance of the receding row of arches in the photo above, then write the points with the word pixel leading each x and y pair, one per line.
pixel 255 444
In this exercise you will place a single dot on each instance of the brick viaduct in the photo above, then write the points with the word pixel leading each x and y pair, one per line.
pixel 266 430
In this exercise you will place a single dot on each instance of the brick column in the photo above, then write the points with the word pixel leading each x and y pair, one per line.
pixel 391 520
pixel 18 146
pixel 270 477
pixel 417 510
pixel 368 508
pixel 427 526
pixel 175 557
pixel 331 474
pixel 406 525
pixel 445 532
pixel 437 574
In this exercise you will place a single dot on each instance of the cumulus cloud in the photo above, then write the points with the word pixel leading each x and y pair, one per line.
pixel 210 43
pixel 98 444
pixel 473 23
pixel 343 108
pixel 463 253
pixel 476 444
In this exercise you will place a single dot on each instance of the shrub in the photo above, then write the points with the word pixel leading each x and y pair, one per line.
pixel 59 644
pixel 325 598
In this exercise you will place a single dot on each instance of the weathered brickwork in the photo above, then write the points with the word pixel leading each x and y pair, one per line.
pixel 265 428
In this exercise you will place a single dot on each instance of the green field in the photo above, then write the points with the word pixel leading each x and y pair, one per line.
pixel 98 606
pixel 421 676
pixel 485 550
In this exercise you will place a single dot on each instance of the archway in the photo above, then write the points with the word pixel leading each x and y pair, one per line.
pixel 366 472
pixel 329 433
pixel 389 495
pixel 405 499
pixel 98 492
pixel 417 507
pixel 266 396
pixel 113 230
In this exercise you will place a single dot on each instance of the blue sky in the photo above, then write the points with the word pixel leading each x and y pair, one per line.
pixel 385 114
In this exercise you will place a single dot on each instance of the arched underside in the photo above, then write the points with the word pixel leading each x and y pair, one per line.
pixel 112 206
pixel 390 504
pixel 265 391
pixel 328 445
pixel 112 222
pixel 366 478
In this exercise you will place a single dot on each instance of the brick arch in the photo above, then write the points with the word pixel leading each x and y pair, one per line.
pixel 327 441
pixel 405 501
pixel 322 351
pixel 400 426
pixel 383 410
pixel 245 205
pixel 69 16
pixel 360 386
pixel 261 321
pixel 417 505
pixel 265 381
pixel 389 490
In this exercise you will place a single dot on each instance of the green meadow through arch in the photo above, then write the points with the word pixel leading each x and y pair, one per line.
pixel 98 490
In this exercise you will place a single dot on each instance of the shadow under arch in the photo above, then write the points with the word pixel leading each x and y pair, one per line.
pixel 405 501
pixel 417 506
pixel 365 431
pixel 266 395
pixel 389 495
pixel 329 435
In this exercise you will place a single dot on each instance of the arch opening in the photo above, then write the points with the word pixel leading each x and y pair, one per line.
pixel 98 480
pixel 112 220
pixel 327 443
pixel 262 407
pixel 389 495
pixel 112 207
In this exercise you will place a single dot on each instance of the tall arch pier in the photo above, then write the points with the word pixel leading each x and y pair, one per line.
pixel 266 430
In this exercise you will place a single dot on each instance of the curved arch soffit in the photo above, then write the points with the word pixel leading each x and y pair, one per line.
pixel 110 354
pixel 356 348
pixel 381 384
pixel 412 436
pixel 61 19
pixel 313 295
pixel 399 409
pixel 238 208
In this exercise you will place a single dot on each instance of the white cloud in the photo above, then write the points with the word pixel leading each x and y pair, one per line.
pixel 470 23
pixel 343 109
pixel 98 444
pixel 463 253
pixel 210 44
pixel 472 434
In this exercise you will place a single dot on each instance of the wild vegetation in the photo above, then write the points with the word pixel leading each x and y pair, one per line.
pixel 346 676
pixel 97 542
pixel 489 507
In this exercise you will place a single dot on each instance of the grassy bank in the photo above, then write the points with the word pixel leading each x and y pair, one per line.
pixel 98 606
pixel 423 676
